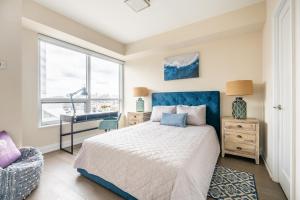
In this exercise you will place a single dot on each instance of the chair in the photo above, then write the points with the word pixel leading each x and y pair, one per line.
pixel 109 123
pixel 20 178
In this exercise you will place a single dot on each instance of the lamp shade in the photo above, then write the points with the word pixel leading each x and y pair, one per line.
pixel 84 92
pixel 140 92
pixel 239 88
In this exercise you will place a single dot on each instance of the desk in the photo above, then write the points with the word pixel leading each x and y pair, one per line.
pixel 79 118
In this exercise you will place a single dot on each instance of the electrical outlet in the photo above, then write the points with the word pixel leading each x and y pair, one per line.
pixel 3 64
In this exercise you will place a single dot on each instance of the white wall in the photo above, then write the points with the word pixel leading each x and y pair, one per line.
pixel 228 58
pixel 10 79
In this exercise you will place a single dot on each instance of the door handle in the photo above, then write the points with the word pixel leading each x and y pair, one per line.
pixel 278 107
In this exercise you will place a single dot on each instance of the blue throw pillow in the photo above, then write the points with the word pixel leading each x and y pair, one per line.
pixel 174 119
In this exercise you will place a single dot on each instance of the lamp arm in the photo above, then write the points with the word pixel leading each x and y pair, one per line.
pixel 74 93
pixel 73 106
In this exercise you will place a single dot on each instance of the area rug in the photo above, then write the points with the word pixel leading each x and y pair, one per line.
pixel 229 184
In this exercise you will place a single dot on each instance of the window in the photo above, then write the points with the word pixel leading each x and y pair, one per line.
pixel 66 68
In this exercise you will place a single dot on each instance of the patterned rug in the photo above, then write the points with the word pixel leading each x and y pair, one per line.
pixel 229 184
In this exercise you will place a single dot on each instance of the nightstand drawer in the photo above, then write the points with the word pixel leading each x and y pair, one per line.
pixel 240 126
pixel 137 117
pixel 134 116
pixel 239 148
pixel 238 137
pixel 134 122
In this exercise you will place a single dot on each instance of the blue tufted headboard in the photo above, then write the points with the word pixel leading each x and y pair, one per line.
pixel 210 98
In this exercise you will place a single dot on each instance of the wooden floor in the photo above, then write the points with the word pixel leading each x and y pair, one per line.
pixel 60 181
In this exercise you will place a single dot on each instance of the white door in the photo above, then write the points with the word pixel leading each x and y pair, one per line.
pixel 283 95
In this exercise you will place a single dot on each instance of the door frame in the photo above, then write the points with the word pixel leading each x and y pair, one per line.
pixel 275 120
pixel 297 66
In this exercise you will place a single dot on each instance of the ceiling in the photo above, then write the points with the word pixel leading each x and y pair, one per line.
pixel 118 21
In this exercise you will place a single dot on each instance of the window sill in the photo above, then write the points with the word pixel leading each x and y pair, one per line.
pixel 50 126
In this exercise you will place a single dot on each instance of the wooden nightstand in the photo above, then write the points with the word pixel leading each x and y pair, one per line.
pixel 137 117
pixel 240 137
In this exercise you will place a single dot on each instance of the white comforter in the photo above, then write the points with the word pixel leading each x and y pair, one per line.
pixel 153 161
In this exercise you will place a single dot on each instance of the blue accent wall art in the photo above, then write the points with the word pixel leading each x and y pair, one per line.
pixel 181 66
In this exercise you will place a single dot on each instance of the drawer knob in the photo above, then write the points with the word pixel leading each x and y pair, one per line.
pixel 239 136
pixel 239 126
pixel 239 148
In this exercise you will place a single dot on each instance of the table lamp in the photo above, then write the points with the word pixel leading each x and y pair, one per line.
pixel 82 91
pixel 140 92
pixel 239 88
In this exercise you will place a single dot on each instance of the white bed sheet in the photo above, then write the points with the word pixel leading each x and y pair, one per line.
pixel 153 161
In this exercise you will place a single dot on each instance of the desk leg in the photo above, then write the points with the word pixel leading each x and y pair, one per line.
pixel 60 136
pixel 72 135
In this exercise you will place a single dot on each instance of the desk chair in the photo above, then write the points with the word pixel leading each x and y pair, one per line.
pixel 110 123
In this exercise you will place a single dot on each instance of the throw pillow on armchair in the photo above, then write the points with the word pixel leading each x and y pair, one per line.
pixel 9 153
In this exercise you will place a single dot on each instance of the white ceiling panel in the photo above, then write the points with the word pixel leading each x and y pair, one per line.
pixel 117 20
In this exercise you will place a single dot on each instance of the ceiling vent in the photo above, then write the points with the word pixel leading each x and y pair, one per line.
pixel 138 5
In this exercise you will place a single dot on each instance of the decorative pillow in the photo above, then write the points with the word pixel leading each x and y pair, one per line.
pixel 9 153
pixel 196 114
pixel 174 119
pixel 157 112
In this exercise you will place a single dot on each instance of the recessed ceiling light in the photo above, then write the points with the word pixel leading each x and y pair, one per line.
pixel 138 5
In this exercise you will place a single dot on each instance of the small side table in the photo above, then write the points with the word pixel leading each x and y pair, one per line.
pixel 240 137
pixel 137 117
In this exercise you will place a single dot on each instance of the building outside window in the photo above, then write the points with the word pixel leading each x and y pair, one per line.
pixel 66 68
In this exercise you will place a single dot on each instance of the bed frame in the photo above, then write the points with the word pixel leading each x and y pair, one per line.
pixel 210 98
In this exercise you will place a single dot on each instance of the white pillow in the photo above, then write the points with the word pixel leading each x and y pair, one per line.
pixel 157 112
pixel 196 114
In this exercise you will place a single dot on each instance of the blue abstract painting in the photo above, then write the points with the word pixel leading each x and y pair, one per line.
pixel 181 67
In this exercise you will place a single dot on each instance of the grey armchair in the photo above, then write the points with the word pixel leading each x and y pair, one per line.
pixel 19 179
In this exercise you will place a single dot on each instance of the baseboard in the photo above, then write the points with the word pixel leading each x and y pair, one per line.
pixel 268 169
pixel 55 147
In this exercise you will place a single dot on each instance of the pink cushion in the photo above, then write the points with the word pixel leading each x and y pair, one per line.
pixel 9 153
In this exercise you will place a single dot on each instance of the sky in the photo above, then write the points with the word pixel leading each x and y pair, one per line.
pixel 63 71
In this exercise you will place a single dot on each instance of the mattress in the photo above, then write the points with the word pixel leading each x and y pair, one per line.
pixel 153 161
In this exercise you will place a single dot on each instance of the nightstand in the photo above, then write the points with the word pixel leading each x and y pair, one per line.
pixel 137 117
pixel 240 137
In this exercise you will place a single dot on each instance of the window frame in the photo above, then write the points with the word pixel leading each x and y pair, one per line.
pixel 86 101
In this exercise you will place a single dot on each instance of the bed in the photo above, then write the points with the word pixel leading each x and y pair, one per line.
pixel 153 161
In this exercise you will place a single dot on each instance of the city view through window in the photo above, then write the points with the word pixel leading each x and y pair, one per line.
pixel 64 70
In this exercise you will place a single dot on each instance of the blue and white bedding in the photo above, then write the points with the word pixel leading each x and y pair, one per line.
pixel 153 161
